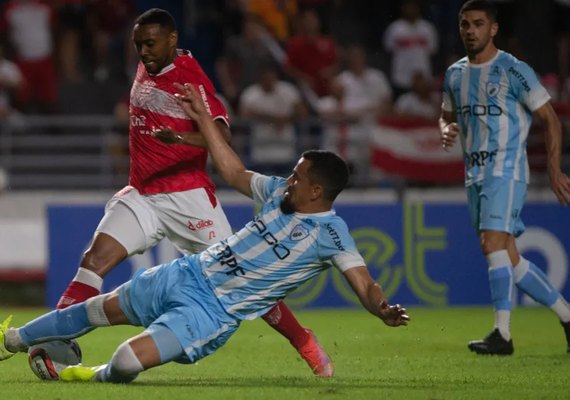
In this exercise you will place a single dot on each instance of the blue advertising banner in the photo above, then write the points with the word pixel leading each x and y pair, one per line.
pixel 421 254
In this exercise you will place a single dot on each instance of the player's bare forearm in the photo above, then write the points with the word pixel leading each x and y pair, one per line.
pixel 197 139
pixel 226 161
pixel 372 297
pixel 552 136
pixel 559 181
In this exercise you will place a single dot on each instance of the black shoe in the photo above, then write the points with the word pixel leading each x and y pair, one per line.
pixel 493 344
pixel 566 326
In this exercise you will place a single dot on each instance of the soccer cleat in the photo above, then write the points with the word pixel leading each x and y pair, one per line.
pixel 4 353
pixel 493 344
pixel 317 358
pixel 79 373
pixel 566 326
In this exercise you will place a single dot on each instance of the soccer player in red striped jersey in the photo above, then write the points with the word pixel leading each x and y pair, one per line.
pixel 170 193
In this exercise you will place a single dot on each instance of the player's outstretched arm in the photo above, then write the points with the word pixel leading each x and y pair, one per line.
pixel 372 297
pixel 559 181
pixel 226 161
pixel 168 136
pixel 448 129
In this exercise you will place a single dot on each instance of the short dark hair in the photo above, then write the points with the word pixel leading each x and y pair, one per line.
pixel 329 170
pixel 480 5
pixel 157 16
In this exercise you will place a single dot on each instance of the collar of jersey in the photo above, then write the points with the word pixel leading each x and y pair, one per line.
pixel 486 63
pixel 163 71
pixel 321 214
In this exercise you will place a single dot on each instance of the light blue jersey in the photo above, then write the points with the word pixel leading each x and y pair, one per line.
pixel 275 253
pixel 493 103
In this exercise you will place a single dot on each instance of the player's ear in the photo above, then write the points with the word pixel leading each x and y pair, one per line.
pixel 494 28
pixel 173 39
pixel 316 191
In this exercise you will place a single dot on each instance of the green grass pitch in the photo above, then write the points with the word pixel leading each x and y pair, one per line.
pixel 426 360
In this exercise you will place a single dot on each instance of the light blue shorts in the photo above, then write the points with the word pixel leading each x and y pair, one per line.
pixel 176 296
pixel 496 203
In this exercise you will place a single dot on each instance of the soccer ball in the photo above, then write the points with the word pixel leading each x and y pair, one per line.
pixel 48 359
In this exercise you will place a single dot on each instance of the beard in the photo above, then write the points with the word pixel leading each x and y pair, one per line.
pixel 473 51
pixel 476 48
pixel 286 206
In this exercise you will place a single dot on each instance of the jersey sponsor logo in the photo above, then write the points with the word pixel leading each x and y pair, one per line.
pixel 299 232
pixel 280 250
pixel 335 237
pixel 145 88
pixel 521 78
pixel 226 257
pixel 480 158
pixel 205 98
pixel 478 110
pixel 493 88
pixel 138 120
pixel 201 224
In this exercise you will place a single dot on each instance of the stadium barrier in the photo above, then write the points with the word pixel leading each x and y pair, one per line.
pixel 421 252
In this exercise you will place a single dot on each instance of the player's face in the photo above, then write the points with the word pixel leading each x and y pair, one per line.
pixel 155 46
pixel 477 31
pixel 300 189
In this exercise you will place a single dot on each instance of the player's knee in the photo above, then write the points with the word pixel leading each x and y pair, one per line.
pixel 125 366
pixel 490 244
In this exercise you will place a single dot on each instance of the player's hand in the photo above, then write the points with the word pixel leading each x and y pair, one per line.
pixel 449 135
pixel 392 315
pixel 167 135
pixel 560 184
pixel 191 102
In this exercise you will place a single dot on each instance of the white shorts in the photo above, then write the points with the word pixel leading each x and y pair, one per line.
pixel 188 219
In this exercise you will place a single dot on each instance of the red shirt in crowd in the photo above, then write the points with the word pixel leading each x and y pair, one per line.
pixel 312 56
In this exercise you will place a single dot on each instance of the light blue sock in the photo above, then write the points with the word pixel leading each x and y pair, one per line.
pixel 501 285
pixel 68 323
pixel 501 280
pixel 531 280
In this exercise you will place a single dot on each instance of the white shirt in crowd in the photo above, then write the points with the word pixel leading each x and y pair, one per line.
pixel 366 91
pixel 411 45
pixel 271 143
pixel 412 105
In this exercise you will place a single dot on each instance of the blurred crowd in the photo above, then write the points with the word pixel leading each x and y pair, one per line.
pixel 276 63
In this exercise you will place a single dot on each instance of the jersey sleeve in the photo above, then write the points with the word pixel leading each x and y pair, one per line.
pixel 447 103
pixel 215 107
pixel 337 246
pixel 526 86
pixel 262 186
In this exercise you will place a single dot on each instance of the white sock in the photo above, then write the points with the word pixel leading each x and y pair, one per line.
pixel 89 278
pixel 561 308
pixel 503 323
pixel 13 341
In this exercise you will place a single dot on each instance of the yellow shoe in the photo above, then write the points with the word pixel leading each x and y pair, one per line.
pixel 79 373
pixel 4 353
